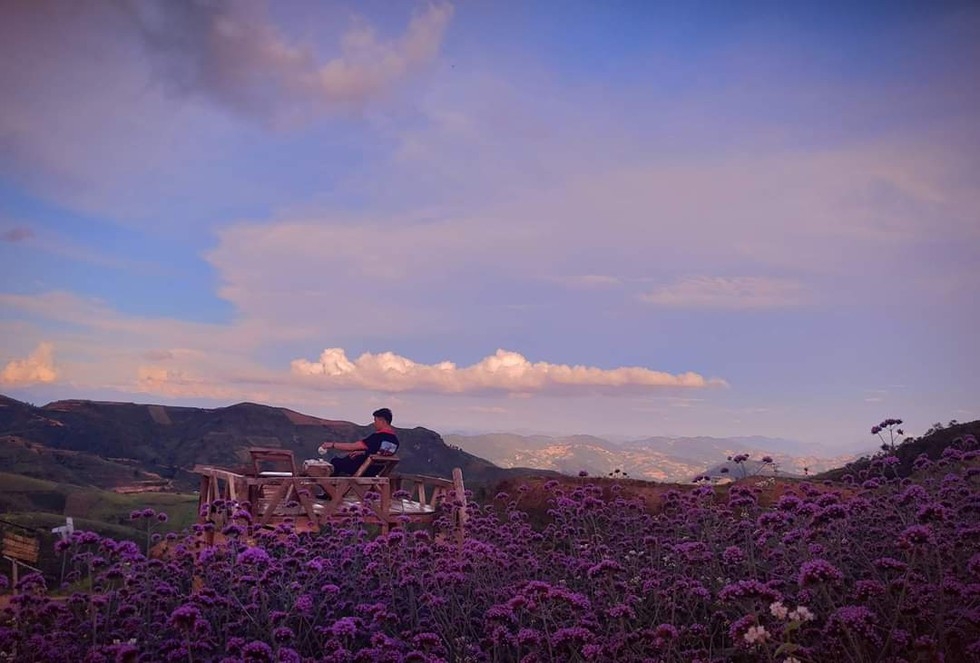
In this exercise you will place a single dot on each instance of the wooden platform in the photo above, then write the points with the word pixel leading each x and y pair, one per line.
pixel 314 501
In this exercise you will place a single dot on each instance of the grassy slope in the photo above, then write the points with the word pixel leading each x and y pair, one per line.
pixel 26 458
pixel 20 494
pixel 41 505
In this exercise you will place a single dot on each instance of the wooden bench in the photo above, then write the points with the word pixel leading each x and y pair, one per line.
pixel 273 495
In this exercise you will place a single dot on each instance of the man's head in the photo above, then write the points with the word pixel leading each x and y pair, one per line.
pixel 384 413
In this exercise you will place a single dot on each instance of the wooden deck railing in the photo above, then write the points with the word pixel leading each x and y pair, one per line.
pixel 316 501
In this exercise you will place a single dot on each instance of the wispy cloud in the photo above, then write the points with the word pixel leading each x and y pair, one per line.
pixel 54 243
pixel 729 293
pixel 242 61
pixel 37 367
pixel 18 234
pixel 589 281
pixel 503 371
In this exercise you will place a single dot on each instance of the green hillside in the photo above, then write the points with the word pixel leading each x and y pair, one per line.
pixel 36 506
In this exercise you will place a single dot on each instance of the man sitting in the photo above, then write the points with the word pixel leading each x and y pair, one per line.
pixel 382 441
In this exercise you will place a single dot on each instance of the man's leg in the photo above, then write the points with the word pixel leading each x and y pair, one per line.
pixel 345 466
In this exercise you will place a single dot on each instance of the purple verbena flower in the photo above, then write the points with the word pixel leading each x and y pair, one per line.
pixel 743 589
pixel 819 571
pixel 185 617
pixel 257 651
pixel 253 555
pixel 916 535
pixel 857 620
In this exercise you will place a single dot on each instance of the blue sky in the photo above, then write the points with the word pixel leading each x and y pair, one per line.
pixel 620 218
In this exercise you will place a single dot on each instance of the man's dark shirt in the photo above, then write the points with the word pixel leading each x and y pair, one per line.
pixel 381 442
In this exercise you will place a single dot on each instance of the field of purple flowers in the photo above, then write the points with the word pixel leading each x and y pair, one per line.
pixel 876 568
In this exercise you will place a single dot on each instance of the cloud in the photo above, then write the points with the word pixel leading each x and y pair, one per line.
pixel 487 409
pixel 38 367
pixel 800 215
pixel 60 244
pixel 729 293
pixel 78 128
pixel 118 329
pixel 154 122
pixel 18 234
pixel 315 271
pixel 158 355
pixel 504 371
pixel 178 383
pixel 232 54
pixel 589 281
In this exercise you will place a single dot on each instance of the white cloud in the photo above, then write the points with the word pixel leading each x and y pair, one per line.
pixel 503 371
pixel 37 367
pixel 729 293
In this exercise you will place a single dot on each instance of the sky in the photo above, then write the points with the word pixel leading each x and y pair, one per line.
pixel 616 218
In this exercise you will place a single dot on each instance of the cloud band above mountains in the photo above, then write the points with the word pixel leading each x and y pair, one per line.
pixel 503 371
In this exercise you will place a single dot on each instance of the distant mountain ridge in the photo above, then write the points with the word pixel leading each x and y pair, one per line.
pixel 112 444
pixel 659 458
pixel 116 445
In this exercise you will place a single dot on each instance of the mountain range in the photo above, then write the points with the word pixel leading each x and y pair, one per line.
pixel 132 447
pixel 139 447
pixel 675 459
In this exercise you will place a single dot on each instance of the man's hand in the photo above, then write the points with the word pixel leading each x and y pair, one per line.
pixel 322 449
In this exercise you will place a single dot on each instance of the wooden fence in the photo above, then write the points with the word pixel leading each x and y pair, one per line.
pixel 20 550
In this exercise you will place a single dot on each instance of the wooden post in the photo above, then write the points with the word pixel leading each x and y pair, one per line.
pixel 461 499
pixel 202 498
pixel 385 510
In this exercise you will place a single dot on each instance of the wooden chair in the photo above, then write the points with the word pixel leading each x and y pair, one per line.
pixel 377 465
pixel 282 459
pixel 284 487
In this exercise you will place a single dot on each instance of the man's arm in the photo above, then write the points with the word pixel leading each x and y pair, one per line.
pixel 343 446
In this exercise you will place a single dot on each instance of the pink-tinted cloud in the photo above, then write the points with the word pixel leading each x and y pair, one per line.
pixel 503 371
pixel 178 383
pixel 37 367
pixel 729 293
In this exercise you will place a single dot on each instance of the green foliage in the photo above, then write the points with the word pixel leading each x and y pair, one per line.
pixel 41 505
